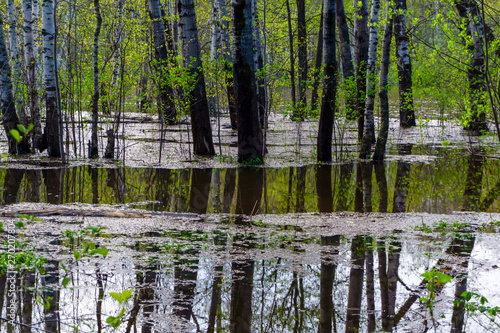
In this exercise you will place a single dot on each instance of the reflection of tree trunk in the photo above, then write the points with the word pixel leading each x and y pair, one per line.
pixel 250 183
pixel 388 275
pixel 370 285
pixel 34 181
pixel 183 180
pixel 163 193
pixel 115 181
pixel 229 186
pixel 147 297
pixel 216 288
pixel 473 183
pixel 358 192
pixel 461 246
pixel 401 186
pixel 3 282
pixel 344 186
pixel 290 189
pixel 51 296
pixel 326 285
pixel 29 283
pixel 200 189
pixel 382 186
pixel 53 179
pixel 240 318
pixel 186 273
pixel 100 297
pixel 366 174
pixel 12 182
pixel 355 284
pixel 301 189
pixel 94 174
pixel 384 292
pixel 324 188
pixel 216 203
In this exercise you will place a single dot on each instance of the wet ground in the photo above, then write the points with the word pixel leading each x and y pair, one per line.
pixel 289 247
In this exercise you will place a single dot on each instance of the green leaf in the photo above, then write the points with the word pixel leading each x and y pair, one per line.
pixel 85 248
pixel 21 128
pixel 30 128
pixel 443 278
pixel 467 295
pixel 19 224
pixel 126 294
pixel 116 296
pixel 113 321
pixel 15 134
pixel 77 255
pixel 102 251
pixel 65 281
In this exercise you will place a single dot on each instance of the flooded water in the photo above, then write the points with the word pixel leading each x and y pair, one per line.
pixel 81 270
pixel 447 181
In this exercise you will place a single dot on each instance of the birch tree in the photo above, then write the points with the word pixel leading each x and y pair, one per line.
pixel 302 57
pixel 30 63
pixel 16 63
pixel 406 109
pixel 51 133
pixel 250 142
pixel 369 126
pixel 9 116
pixel 384 87
pixel 325 130
pixel 198 103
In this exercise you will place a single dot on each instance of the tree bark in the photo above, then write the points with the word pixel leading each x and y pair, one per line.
pixel 30 62
pixel 250 142
pixel 259 66
pixel 51 133
pixel 9 115
pixel 369 124
pixel 329 85
pixel 16 64
pixel 198 104
pixel 406 109
pixel 384 88
pixel 361 59
pixel 166 106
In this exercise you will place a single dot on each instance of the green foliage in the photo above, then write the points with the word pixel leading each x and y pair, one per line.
pixel 434 280
pixel 475 303
pixel 121 298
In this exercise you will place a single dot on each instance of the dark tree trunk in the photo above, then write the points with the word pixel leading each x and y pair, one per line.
pixel 200 189
pixel 198 104
pixel 166 105
pixel 355 285
pixel 250 184
pixel 324 188
pixel 473 183
pixel 328 105
pixel 9 115
pixel 347 64
pixel 317 67
pixel 327 277
pixel 406 109
pixel 240 317
pixel 401 186
pixel 250 142
pixel 302 55
pixel 384 88
pixel 361 39
pixel 382 186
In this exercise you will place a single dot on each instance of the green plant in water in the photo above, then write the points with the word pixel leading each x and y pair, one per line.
pixel 435 281
pixel 16 134
pixel 475 303
pixel 122 299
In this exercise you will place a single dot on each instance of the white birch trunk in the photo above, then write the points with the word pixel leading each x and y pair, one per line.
pixel 369 126
pixel 49 71
pixel 16 63
pixel 30 63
